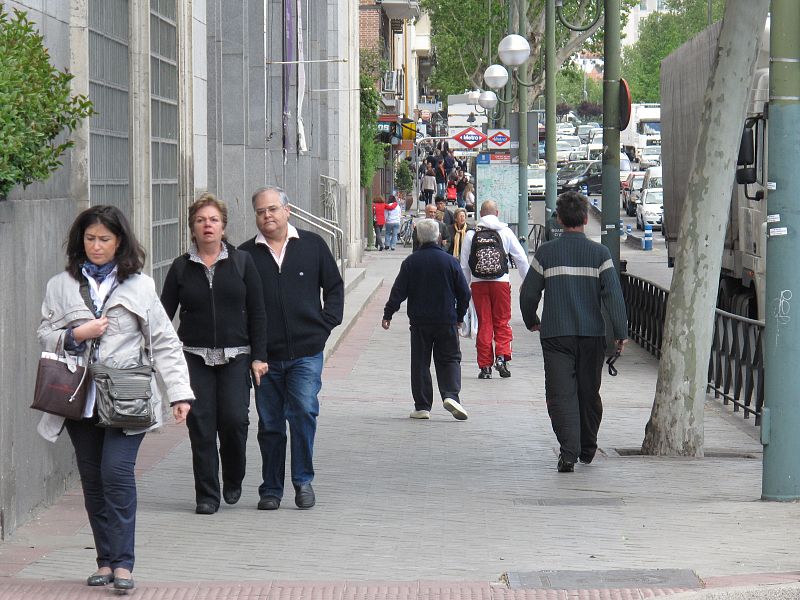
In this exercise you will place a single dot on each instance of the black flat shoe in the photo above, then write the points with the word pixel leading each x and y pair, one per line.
pixel 98 580
pixel 206 508
pixel 124 584
pixel 304 496
pixel 231 495
pixel 269 503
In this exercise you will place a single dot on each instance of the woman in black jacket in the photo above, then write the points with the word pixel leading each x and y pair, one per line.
pixel 223 330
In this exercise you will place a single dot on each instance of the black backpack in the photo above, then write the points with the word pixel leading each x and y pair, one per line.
pixel 487 256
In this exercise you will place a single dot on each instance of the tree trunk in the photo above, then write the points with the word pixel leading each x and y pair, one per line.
pixel 676 421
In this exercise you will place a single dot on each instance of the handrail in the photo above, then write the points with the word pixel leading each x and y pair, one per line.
pixel 336 233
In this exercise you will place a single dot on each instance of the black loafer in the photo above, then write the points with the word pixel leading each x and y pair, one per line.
pixel 205 508
pixel 564 466
pixel 98 580
pixel 231 495
pixel 124 584
pixel 304 496
pixel 269 503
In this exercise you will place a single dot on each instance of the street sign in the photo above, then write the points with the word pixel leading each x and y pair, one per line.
pixel 498 139
pixel 470 137
pixel 501 157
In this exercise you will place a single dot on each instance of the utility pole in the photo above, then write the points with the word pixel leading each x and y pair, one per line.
pixel 550 157
pixel 522 94
pixel 508 92
pixel 780 420
pixel 609 234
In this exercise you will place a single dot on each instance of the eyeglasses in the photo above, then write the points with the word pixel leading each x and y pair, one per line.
pixel 273 210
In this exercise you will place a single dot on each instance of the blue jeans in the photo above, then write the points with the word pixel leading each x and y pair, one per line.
pixel 106 461
pixel 288 392
pixel 390 239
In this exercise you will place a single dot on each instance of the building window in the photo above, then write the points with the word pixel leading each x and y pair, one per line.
pixel 164 136
pixel 109 140
pixel 643 5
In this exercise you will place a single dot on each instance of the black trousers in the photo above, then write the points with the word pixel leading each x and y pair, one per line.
pixel 221 408
pixel 441 341
pixel 573 367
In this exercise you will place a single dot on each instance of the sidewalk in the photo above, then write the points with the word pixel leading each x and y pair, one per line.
pixel 441 508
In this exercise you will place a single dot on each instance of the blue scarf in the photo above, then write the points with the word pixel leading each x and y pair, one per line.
pixel 98 272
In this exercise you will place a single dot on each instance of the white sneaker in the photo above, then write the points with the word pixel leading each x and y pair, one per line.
pixel 455 409
pixel 420 414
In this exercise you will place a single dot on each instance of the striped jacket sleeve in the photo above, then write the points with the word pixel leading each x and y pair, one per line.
pixel 612 299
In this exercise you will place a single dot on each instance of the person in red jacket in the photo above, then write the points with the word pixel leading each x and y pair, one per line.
pixel 379 220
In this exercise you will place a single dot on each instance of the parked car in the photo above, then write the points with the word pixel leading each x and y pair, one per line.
pixel 625 167
pixel 650 208
pixel 653 178
pixel 536 182
pixel 583 133
pixel 575 175
pixel 572 140
pixel 562 152
pixel 649 157
pixel 630 190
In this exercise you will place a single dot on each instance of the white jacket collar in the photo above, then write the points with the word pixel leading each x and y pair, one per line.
pixel 491 222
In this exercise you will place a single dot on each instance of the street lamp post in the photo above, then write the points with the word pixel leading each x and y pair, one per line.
pixel 514 50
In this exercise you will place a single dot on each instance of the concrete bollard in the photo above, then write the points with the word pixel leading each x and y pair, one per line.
pixel 621 228
pixel 647 240
pixel 629 229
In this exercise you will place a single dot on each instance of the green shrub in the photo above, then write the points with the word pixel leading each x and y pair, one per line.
pixel 35 105
pixel 402 177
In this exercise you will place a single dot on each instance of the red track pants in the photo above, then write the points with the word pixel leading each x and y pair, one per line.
pixel 492 301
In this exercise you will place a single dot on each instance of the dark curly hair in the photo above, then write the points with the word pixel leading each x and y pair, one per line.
pixel 130 254
pixel 572 209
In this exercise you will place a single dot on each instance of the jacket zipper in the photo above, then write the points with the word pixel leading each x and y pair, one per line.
pixel 213 306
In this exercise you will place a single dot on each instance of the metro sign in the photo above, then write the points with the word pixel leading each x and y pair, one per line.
pixel 470 137
pixel 499 139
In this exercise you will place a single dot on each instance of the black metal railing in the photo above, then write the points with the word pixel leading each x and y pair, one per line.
pixel 736 365
pixel 647 307
pixel 736 368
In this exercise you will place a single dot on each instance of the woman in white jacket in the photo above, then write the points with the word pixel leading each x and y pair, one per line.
pixel 126 315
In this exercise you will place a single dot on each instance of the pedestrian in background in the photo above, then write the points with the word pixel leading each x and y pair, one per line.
pixel 124 321
pixel 484 260
pixel 379 219
pixel 469 197
pixel 393 213
pixel 297 269
pixel 223 330
pixel 443 213
pixel 444 239
pixel 578 279
pixel 457 231
pixel 429 185
pixel 438 297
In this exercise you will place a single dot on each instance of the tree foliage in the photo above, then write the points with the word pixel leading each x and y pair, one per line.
pixel 570 82
pixel 659 35
pixel 402 177
pixel 35 105
pixel 371 149
pixel 465 34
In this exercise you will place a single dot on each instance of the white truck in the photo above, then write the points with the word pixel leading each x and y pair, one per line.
pixel 643 130
pixel 684 78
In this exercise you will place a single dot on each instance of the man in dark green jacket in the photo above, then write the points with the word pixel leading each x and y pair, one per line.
pixel 578 279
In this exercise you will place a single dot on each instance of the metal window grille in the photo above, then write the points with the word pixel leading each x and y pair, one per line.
pixel 164 135
pixel 109 149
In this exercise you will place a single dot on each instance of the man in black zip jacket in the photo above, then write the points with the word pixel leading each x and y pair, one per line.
pixel 438 298
pixel 294 266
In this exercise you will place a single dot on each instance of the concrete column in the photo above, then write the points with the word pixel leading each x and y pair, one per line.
pixel 185 117
pixel 79 67
pixel 139 81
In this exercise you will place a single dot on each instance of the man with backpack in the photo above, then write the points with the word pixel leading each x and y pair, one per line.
pixel 484 261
